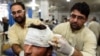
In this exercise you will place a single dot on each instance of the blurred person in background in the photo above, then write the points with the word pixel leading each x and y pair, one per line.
pixel 95 27
pixel 64 20
pixel 5 27
pixel 75 39
pixel 51 23
pixel 1 27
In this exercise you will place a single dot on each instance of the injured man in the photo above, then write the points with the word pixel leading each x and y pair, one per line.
pixel 36 41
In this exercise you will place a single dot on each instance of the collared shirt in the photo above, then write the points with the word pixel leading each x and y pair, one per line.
pixel 84 40
pixel 16 33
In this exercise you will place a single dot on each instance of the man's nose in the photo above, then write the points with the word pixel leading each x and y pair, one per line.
pixel 28 50
pixel 16 15
pixel 75 19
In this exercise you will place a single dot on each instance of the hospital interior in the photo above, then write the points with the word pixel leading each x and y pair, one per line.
pixel 50 12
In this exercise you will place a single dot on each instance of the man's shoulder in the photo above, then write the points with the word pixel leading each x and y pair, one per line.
pixel 34 21
pixel 31 19
pixel 89 35
pixel 14 26
pixel 87 31
pixel 94 23
pixel 63 24
pixel 61 27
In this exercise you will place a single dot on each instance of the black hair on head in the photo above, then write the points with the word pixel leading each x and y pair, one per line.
pixel 83 7
pixel 41 26
pixel 18 3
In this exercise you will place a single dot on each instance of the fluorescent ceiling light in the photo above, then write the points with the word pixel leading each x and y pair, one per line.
pixel 32 4
pixel 68 0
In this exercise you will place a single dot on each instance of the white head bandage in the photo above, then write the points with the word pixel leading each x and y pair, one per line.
pixel 38 37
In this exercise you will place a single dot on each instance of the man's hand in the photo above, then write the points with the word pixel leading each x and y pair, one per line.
pixel 62 45
pixel 16 49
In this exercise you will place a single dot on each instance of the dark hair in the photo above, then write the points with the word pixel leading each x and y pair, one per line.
pixel 18 3
pixel 82 7
pixel 41 19
pixel 41 26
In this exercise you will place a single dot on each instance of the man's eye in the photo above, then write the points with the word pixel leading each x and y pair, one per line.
pixel 73 16
pixel 19 11
pixel 80 17
pixel 13 13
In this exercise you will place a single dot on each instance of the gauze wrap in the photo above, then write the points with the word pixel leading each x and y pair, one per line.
pixel 38 37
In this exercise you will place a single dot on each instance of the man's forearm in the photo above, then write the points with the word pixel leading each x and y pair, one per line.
pixel 77 53
pixel 16 49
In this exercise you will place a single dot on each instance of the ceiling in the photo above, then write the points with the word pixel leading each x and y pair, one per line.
pixel 62 5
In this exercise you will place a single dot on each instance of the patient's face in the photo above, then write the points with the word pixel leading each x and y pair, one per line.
pixel 31 50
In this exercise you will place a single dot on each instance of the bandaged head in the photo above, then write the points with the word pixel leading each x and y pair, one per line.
pixel 38 37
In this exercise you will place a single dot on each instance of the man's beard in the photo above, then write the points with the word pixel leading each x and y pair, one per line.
pixel 74 26
pixel 22 19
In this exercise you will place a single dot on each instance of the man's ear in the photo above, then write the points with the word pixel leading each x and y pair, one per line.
pixel 85 20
